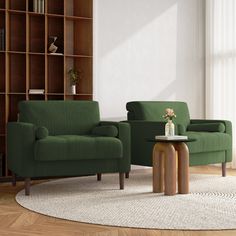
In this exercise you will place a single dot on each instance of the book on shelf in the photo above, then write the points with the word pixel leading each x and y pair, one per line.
pixel 36 91
pixel 174 137
pixel 38 6
pixel 55 53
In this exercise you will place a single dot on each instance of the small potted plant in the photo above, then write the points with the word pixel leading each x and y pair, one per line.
pixel 74 76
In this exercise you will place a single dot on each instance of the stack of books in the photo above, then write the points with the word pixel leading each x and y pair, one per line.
pixel 39 6
pixel 36 91
pixel 2 39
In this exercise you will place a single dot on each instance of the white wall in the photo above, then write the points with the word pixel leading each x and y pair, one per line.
pixel 148 50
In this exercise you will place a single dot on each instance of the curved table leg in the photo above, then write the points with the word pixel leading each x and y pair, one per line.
pixel 170 169
pixel 164 155
pixel 158 170
pixel 183 168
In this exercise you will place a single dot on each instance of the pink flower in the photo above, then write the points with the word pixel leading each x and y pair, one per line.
pixel 169 114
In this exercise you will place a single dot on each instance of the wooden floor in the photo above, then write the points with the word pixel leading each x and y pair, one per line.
pixel 17 221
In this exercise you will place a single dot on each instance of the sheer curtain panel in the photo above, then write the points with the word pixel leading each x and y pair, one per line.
pixel 221 62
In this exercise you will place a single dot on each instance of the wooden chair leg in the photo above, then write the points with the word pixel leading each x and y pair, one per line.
pixel 223 169
pixel 13 179
pixel 99 176
pixel 122 180
pixel 127 175
pixel 27 186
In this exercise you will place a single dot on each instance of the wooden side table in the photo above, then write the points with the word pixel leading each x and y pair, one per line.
pixel 164 166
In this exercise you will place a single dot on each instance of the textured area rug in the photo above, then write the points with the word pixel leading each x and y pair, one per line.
pixel 210 205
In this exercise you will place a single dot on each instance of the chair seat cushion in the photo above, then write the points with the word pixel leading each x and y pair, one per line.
pixel 77 147
pixel 208 141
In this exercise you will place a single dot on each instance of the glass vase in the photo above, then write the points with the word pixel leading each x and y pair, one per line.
pixel 169 128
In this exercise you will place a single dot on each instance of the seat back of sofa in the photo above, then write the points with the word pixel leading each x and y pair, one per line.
pixel 154 111
pixel 61 117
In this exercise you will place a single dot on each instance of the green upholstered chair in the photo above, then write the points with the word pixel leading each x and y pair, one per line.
pixel 66 138
pixel 213 137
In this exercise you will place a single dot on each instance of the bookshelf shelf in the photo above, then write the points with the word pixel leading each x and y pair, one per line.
pixel 17 72
pixel 36 72
pixel 37 33
pixel 17 5
pixel 55 16
pixel 26 62
pixel 17 12
pixel 3 114
pixel 17 32
pixel 80 8
pixel 55 7
pixel 2 4
pixel 2 73
pixel 78 18
pixel 78 56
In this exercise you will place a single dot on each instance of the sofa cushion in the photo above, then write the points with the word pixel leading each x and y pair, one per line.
pixel 61 117
pixel 105 130
pixel 75 147
pixel 41 132
pixel 208 141
pixel 208 127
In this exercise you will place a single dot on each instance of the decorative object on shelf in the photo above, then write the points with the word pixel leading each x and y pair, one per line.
pixel 74 76
pixel 52 48
pixel 169 127
pixel 36 91
pixel 38 6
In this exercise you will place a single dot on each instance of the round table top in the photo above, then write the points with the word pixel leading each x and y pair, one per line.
pixel 171 141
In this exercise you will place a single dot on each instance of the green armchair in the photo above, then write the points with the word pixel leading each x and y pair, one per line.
pixel 66 138
pixel 213 137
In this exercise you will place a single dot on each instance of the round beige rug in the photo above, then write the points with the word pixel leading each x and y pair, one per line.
pixel 211 205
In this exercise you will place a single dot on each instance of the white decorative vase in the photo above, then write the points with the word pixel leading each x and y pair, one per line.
pixel 169 128
pixel 73 89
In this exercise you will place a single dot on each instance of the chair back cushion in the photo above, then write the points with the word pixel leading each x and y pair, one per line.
pixel 154 111
pixel 61 117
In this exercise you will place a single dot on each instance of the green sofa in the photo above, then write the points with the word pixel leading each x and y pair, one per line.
pixel 66 138
pixel 213 137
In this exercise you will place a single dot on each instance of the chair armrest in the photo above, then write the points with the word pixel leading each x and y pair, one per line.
pixel 105 130
pixel 20 145
pixel 227 124
pixel 207 127
pixel 124 136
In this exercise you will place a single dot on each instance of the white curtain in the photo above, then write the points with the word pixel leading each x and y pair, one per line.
pixel 221 62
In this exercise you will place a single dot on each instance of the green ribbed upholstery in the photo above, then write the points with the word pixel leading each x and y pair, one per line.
pixel 108 130
pixel 76 147
pixel 61 117
pixel 146 121
pixel 208 141
pixel 70 148
pixel 154 110
pixel 208 127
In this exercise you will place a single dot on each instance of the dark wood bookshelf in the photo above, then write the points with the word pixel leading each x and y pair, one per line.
pixel 26 63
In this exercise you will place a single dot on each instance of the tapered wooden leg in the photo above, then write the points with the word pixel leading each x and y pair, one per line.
pixel 13 179
pixel 223 169
pixel 127 175
pixel 158 169
pixel 170 170
pixel 99 176
pixel 27 186
pixel 183 168
pixel 122 180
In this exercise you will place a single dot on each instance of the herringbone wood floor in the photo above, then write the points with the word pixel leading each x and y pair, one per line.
pixel 17 221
